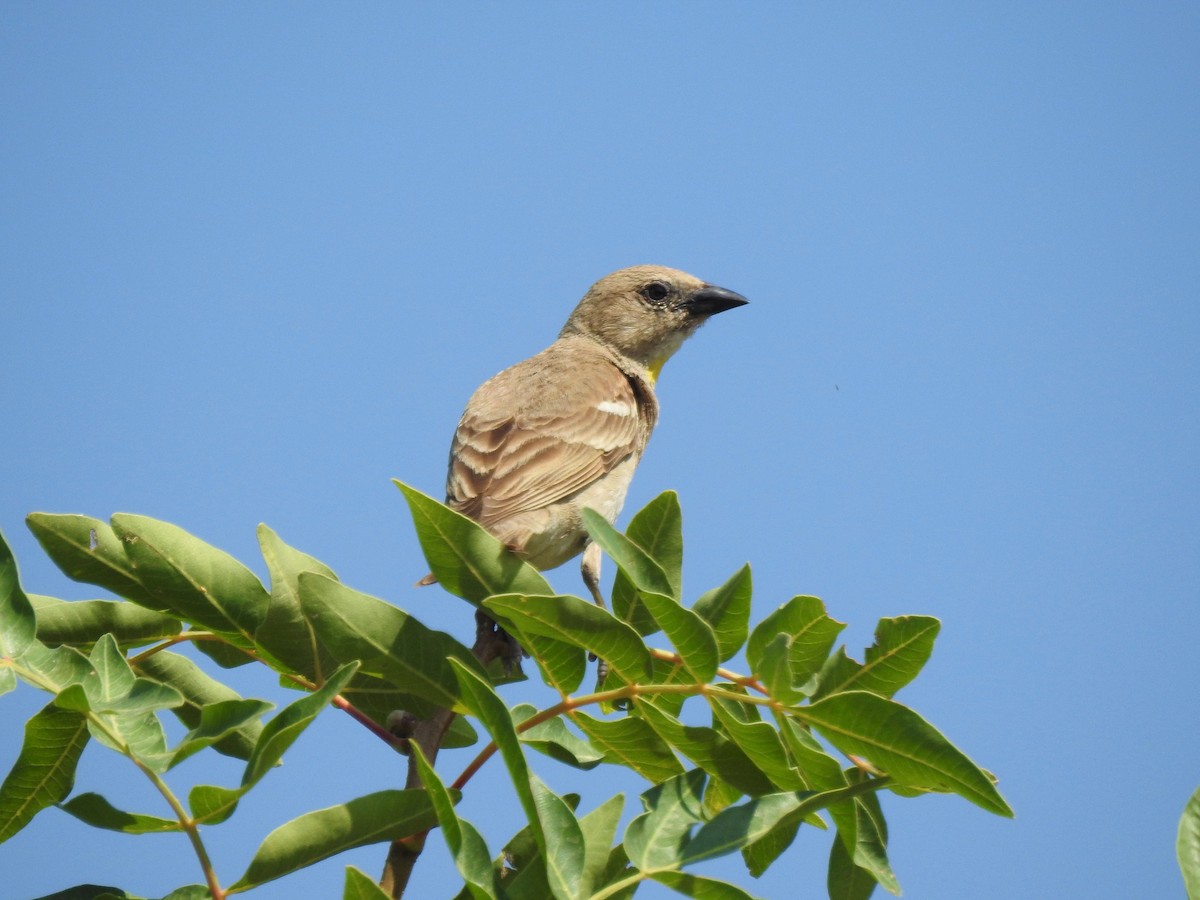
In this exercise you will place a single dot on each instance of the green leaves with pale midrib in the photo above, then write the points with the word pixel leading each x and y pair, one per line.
pixel 810 632
pixel 688 633
pixel 386 641
pixel 630 742
pixel 467 847
pixel 17 623
pixel 359 886
pixel 902 744
pixel 657 530
pixel 96 811
pixel 193 579
pixel 314 836
pixel 575 621
pixel 467 560
pixel 285 632
pixel 727 610
pixel 553 738
pixel 555 828
pixel 83 622
pixel 88 550
pixel 635 562
pixel 902 647
pixel 1187 846
pixel 45 768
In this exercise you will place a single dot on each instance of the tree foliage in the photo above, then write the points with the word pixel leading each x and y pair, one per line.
pixel 805 736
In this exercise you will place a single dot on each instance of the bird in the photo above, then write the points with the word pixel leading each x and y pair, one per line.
pixel 565 429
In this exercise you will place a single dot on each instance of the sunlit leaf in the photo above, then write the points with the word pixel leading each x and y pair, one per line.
pixel 1187 846
pixel 45 768
pixel 727 610
pixel 657 529
pixel 82 622
pixel 96 811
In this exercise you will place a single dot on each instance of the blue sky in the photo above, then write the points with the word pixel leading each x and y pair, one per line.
pixel 254 259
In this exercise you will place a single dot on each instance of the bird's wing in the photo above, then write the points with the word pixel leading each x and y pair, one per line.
pixel 542 431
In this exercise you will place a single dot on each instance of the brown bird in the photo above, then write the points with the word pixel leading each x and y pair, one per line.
pixel 565 429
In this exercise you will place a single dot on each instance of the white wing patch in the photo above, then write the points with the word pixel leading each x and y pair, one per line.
pixel 616 407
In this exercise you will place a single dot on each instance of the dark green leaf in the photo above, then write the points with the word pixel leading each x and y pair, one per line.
pixel 1187 846
pixel 656 838
pixel 576 621
pixel 82 622
pixel 45 769
pixel 630 742
pixel 657 529
pixel 902 744
pixel 467 847
pixel 845 880
pixel 862 832
pixel 760 741
pixel 709 750
pixel 314 836
pixel 287 725
pixel 96 811
pixel 199 689
pixel 775 670
pixel 467 560
pixel 389 642
pixel 557 832
pixel 89 892
pixel 727 610
pixel 553 738
pixel 700 887
pixel 218 721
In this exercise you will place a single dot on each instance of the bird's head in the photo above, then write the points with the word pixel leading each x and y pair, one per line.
pixel 646 312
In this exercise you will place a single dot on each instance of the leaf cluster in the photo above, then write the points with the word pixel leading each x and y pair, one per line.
pixel 735 762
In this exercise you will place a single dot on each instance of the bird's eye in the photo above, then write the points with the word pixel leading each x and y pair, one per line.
pixel 656 292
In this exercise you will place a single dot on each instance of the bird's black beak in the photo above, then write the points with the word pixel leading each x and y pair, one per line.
pixel 710 300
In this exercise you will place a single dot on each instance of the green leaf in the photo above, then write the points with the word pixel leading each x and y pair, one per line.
pixel 656 838
pixel 688 633
pixel 578 622
pixel 736 826
pixel 218 721
pixel 658 530
pixel 845 880
pixel 902 647
pixel 902 744
pixel 193 579
pixel 1187 846
pixel 599 827
pixel 93 892
pixel 96 811
pixel 727 610
pixel 557 832
pixel 643 572
pixel 775 670
pixel 199 689
pixel 553 738
pixel 466 560
pixel 211 804
pixel 862 834
pixel 115 688
pixel 314 836
pixel 630 742
pixel 389 642
pixel 467 847
pixel 811 631
pixel 700 887
pixel 360 887
pixel 45 769
pixel 289 723
pixel 17 623
pixel 82 622
pixel 88 550
pixel 760 741
pixel 709 750
pixel 285 632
